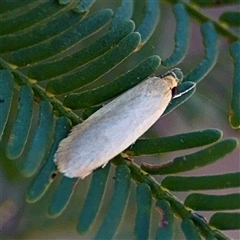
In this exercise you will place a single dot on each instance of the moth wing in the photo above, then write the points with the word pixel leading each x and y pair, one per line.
pixel 113 128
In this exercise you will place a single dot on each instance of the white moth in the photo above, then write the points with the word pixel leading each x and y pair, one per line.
pixel 115 126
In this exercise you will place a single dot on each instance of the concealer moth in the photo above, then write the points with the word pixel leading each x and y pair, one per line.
pixel 115 126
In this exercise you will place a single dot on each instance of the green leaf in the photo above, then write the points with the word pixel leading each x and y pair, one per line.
pixel 150 21
pixel 89 111
pixel 225 221
pixel 234 116
pixel 166 220
pixel 6 83
pixel 101 65
pixel 207 3
pixel 6 6
pixel 41 139
pixel 194 160
pixel 64 2
pixel 21 125
pixel 62 196
pixel 203 202
pixel 44 71
pixel 115 87
pixel 144 204
pixel 190 230
pixel 93 200
pixel 181 36
pixel 61 42
pixel 123 13
pixel 84 6
pixel 230 18
pixel 176 183
pixel 117 205
pixel 38 33
pixel 176 142
pixel 49 170
pixel 3 64
pixel 30 17
pixel 210 38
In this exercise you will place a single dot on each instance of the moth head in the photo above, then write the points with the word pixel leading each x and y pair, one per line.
pixel 173 77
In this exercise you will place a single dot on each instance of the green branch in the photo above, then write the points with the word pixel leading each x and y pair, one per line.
pixel 41 94
pixel 161 193
pixel 201 18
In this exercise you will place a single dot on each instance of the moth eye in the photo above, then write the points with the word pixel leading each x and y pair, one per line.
pixel 53 175
pixel 174 92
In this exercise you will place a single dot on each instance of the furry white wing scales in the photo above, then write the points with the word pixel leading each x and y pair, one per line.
pixel 113 128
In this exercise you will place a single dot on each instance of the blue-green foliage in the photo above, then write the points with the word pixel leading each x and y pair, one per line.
pixel 52 53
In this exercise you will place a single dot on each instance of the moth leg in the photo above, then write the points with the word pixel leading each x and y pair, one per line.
pixel 128 156
pixel 104 165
